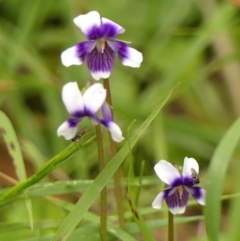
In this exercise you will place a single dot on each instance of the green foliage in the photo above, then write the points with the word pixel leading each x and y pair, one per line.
pixel 193 43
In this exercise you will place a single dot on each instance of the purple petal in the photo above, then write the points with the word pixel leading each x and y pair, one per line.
pixel 100 63
pixel 90 25
pixel 198 194
pixel 72 99
pixel 68 129
pixel 115 131
pixel 176 199
pixel 128 56
pixel 157 203
pixel 106 113
pixel 76 54
pixel 110 29
pixel 189 165
pixel 168 173
pixel 94 98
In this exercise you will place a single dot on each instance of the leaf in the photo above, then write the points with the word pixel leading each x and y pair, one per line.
pixel 101 181
pixel 10 138
pixel 215 178
pixel 47 168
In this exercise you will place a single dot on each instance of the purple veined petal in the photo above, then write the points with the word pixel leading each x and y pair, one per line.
pixel 90 25
pixel 72 99
pixel 167 172
pixel 197 193
pixel 111 29
pixel 188 165
pixel 157 203
pixel 67 130
pixel 177 201
pixel 115 132
pixel 127 55
pixel 100 63
pixel 76 54
pixel 94 98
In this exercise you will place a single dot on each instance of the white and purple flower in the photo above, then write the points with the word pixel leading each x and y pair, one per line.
pixel 179 187
pixel 86 105
pixel 100 49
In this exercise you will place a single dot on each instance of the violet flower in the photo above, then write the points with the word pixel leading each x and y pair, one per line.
pixel 179 187
pixel 100 48
pixel 86 105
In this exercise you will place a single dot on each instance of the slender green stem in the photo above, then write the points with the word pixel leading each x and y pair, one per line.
pixel 170 227
pixel 117 175
pixel 103 214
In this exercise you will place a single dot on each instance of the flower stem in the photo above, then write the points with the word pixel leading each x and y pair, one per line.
pixel 103 212
pixel 117 175
pixel 170 227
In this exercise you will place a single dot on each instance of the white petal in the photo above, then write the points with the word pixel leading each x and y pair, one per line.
pixel 133 59
pixel 66 131
pixel 166 172
pixel 117 28
pixel 158 201
pixel 115 132
pixel 202 199
pixel 98 75
pixel 198 193
pixel 94 97
pixel 177 210
pixel 188 165
pixel 87 21
pixel 69 57
pixel 72 97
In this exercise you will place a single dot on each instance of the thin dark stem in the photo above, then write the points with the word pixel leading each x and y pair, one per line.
pixel 117 175
pixel 170 227
pixel 103 214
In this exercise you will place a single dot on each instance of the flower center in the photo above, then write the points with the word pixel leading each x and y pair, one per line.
pixel 180 191
pixel 101 45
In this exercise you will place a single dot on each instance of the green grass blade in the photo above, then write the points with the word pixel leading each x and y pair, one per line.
pixel 47 168
pixel 216 173
pixel 14 149
pixel 9 136
pixel 101 181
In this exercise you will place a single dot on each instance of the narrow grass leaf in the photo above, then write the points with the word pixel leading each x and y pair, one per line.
pixel 215 178
pixel 47 168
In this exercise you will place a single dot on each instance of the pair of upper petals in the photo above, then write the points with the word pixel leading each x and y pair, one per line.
pixel 94 27
pixel 168 173
pixel 75 102
pixel 100 31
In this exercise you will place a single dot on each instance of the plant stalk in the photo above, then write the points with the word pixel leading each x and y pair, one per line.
pixel 117 175
pixel 170 227
pixel 103 195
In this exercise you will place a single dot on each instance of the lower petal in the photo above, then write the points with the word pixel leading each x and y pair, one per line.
pixel 115 132
pixel 76 54
pixel 68 129
pixel 198 194
pixel 177 202
pixel 128 56
pixel 100 63
pixel 157 203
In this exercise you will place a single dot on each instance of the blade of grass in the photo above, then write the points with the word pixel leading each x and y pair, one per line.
pixel 217 171
pixel 47 168
pixel 14 150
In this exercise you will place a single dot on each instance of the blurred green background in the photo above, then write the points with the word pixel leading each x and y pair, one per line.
pixel 193 43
